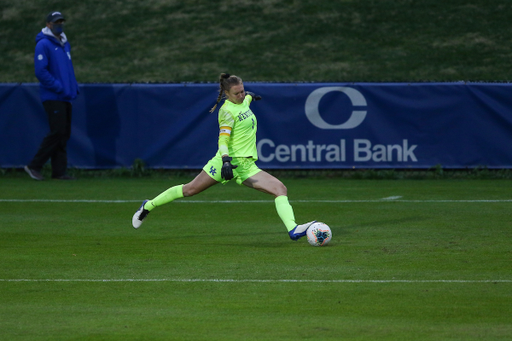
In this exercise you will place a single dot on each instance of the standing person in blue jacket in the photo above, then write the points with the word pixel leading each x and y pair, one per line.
pixel 54 70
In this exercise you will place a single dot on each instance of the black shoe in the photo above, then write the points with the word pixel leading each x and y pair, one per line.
pixel 33 174
pixel 63 177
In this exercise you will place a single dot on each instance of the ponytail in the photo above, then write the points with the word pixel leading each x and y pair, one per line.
pixel 226 81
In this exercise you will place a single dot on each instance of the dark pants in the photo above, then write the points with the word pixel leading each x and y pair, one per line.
pixel 54 144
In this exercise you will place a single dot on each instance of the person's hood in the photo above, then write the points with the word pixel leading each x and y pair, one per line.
pixel 46 33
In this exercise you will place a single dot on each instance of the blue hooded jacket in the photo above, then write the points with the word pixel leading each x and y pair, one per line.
pixel 53 67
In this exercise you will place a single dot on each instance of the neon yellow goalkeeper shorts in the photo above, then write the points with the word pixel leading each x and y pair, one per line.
pixel 246 168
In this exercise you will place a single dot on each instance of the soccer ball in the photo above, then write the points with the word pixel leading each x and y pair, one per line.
pixel 319 234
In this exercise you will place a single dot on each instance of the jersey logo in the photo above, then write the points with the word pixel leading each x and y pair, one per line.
pixel 243 116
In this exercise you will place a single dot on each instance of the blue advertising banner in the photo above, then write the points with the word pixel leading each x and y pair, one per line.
pixel 300 126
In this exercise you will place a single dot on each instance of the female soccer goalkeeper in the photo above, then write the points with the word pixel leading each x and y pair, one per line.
pixel 235 159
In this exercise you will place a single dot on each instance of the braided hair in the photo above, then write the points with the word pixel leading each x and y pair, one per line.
pixel 226 81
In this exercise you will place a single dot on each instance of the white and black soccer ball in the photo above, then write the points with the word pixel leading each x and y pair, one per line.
pixel 319 234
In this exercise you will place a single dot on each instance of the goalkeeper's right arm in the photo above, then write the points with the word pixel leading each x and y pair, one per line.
pixel 224 135
pixel 226 171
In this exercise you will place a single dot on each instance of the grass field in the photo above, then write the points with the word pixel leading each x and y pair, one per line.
pixel 409 260
pixel 267 40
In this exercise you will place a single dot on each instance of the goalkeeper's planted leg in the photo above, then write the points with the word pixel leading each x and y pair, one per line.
pixel 300 230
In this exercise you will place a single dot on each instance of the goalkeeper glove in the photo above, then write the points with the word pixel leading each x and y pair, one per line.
pixel 253 95
pixel 227 168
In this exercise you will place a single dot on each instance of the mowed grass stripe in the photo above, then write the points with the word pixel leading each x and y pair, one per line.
pixel 264 280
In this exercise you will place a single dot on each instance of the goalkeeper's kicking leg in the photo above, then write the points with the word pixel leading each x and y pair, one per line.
pixel 200 183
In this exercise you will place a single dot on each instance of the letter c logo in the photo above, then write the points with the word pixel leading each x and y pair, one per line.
pixel 313 114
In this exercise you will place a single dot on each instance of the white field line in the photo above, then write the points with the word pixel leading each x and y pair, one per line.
pixel 393 197
pixel 188 280
pixel 189 201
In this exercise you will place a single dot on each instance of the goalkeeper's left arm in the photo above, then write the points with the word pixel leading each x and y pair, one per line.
pixel 253 96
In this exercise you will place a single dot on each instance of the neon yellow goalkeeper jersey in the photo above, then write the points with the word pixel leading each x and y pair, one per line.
pixel 243 124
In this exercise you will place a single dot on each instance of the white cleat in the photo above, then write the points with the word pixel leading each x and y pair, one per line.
pixel 300 230
pixel 140 215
